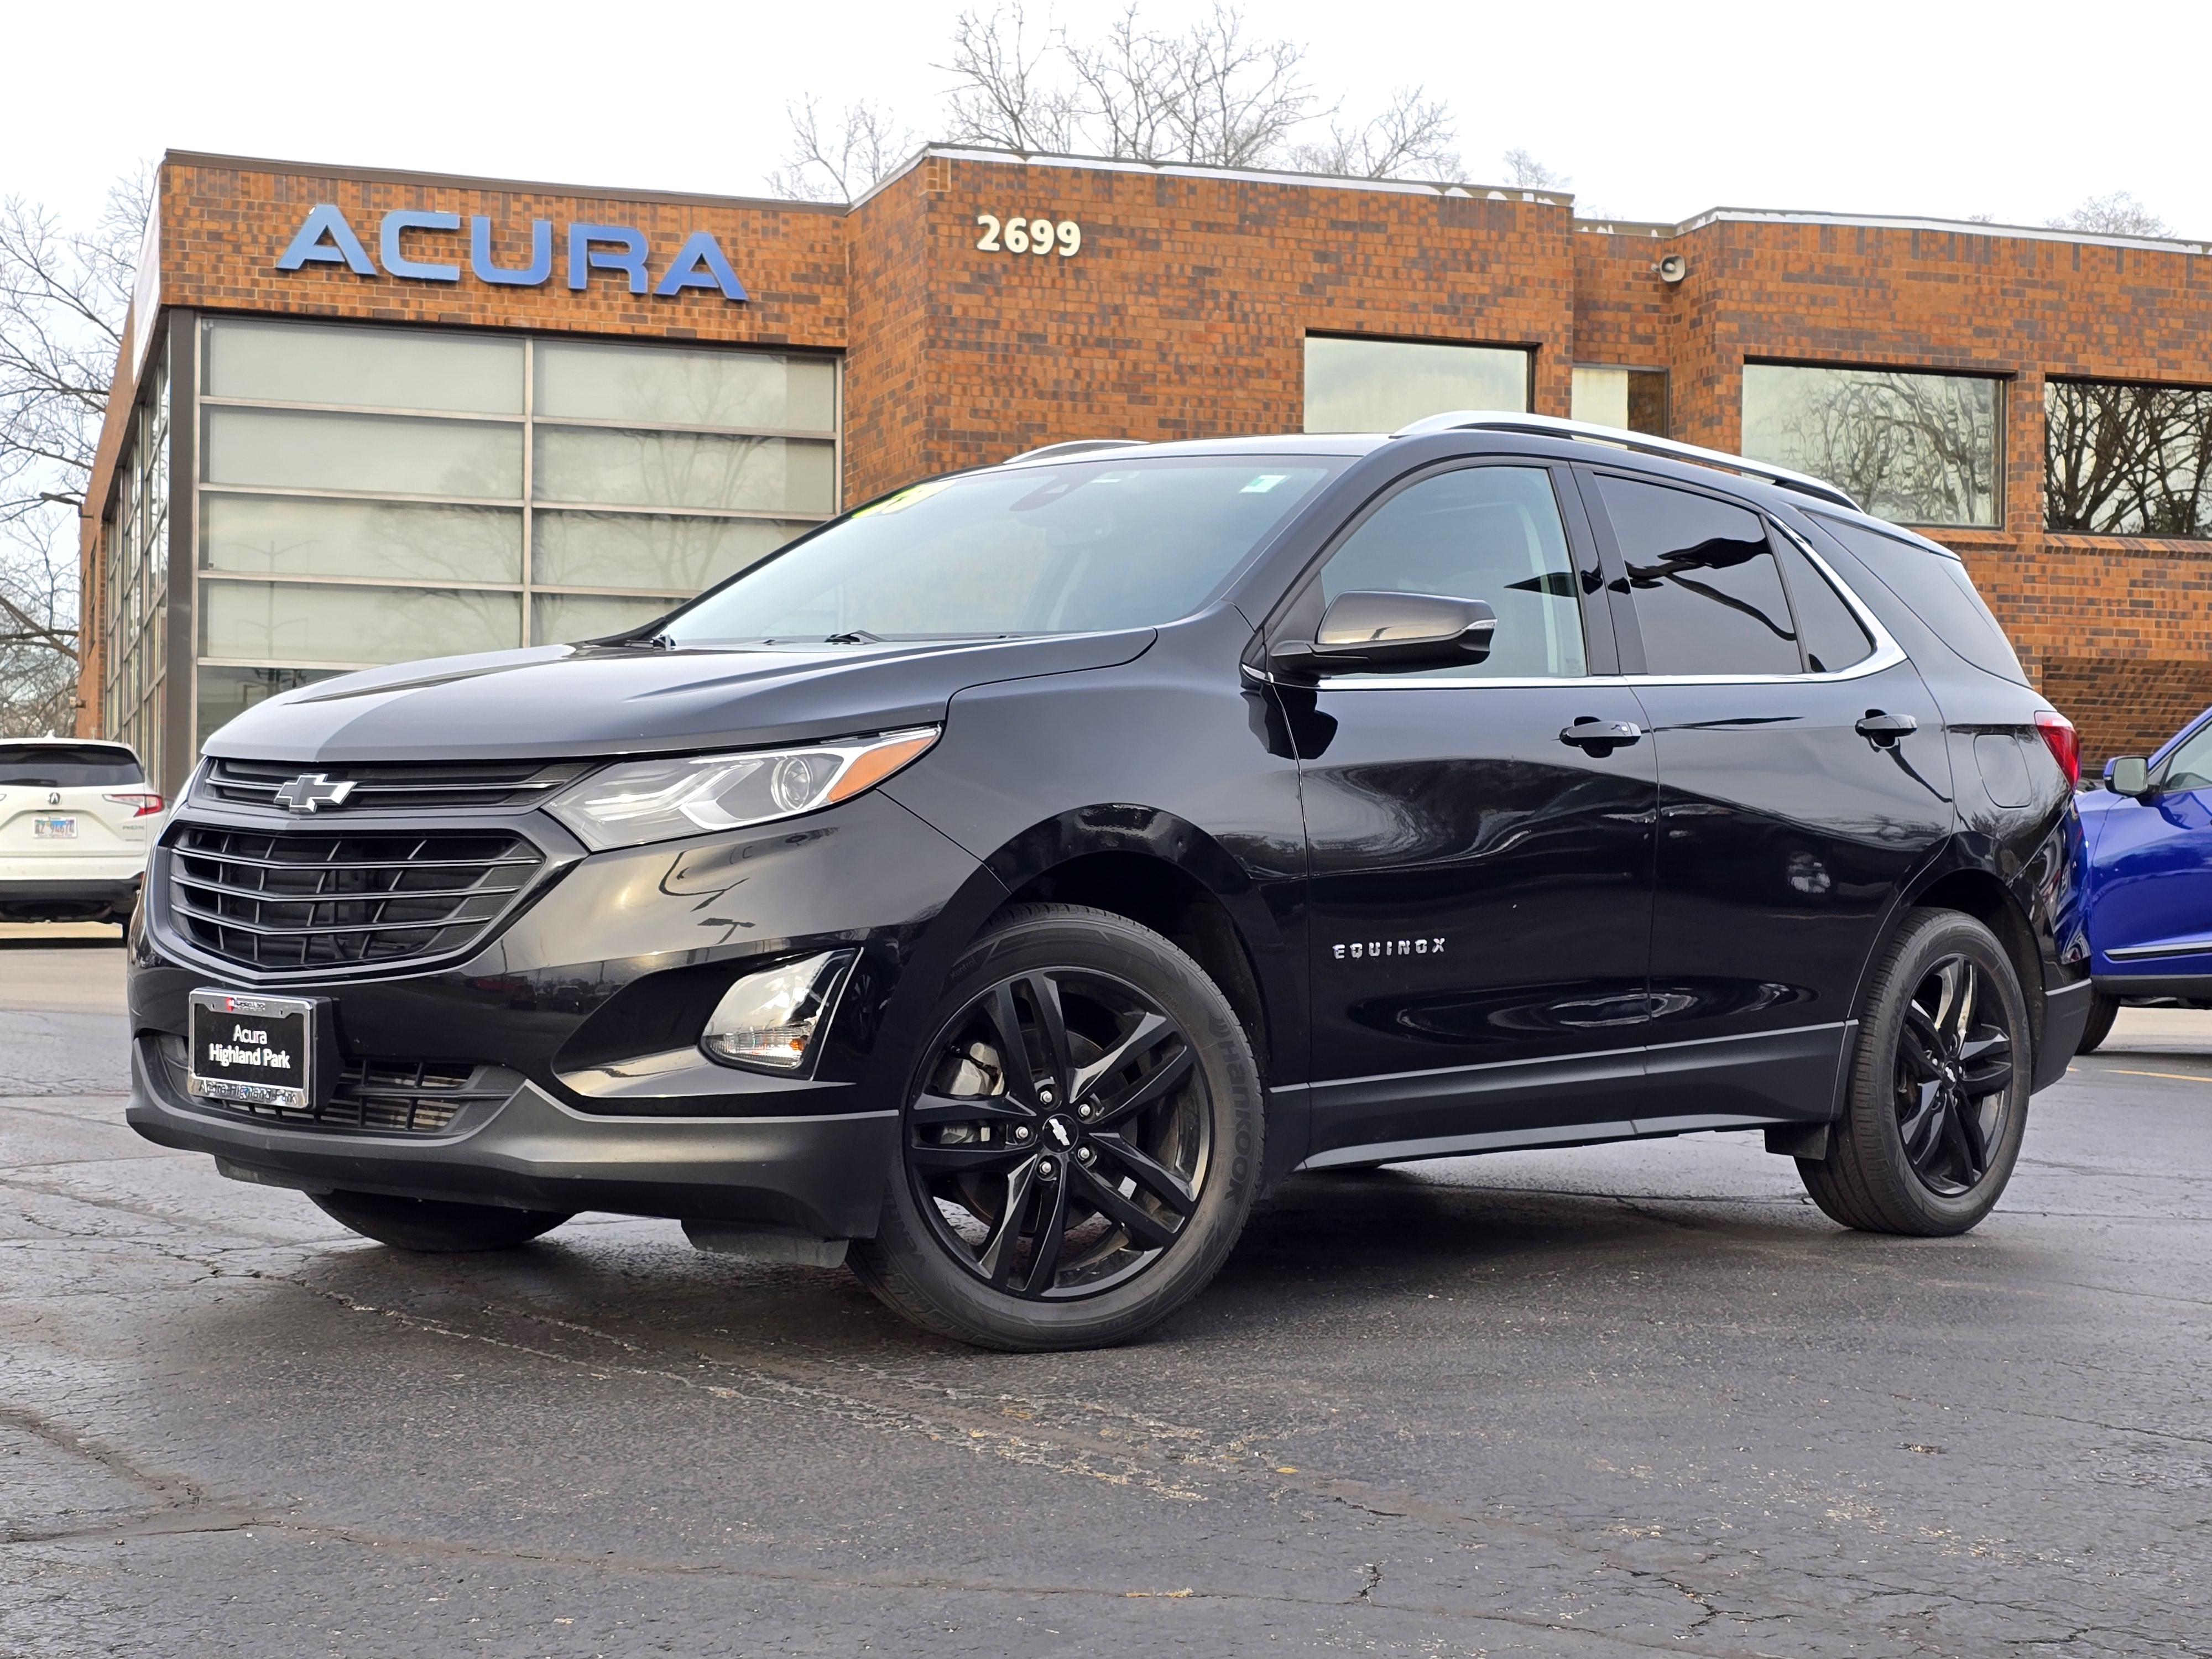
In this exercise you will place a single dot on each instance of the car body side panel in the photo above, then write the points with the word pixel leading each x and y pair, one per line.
pixel 1135 760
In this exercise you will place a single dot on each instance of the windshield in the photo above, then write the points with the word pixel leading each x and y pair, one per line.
pixel 1070 548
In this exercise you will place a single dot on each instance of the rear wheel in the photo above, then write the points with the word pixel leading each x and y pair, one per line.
pixel 434 1226
pixel 1081 1139
pixel 1939 1086
pixel 2103 1011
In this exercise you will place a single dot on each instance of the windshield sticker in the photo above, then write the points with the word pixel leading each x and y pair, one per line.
pixel 1263 484
pixel 904 499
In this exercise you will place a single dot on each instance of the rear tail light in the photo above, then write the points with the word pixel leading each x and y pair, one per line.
pixel 142 806
pixel 2064 744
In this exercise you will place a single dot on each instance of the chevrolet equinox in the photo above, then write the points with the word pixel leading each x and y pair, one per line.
pixel 1004 885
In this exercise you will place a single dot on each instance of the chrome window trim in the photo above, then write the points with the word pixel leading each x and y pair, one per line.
pixel 1887 654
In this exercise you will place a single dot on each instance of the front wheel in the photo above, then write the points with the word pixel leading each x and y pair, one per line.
pixel 1939 1086
pixel 1081 1141
pixel 433 1225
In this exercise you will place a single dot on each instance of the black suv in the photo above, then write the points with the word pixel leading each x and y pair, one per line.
pixel 1003 885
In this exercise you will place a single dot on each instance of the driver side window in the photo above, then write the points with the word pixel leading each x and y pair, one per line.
pixel 2190 766
pixel 1483 532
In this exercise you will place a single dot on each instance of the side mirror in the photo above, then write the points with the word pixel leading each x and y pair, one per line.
pixel 1368 633
pixel 2128 775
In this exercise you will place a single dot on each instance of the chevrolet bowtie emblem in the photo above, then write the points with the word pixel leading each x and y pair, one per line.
pixel 311 791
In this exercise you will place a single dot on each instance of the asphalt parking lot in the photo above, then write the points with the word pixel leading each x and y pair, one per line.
pixel 1591 1402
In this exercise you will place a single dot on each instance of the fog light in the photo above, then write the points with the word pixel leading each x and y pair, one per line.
pixel 770 1020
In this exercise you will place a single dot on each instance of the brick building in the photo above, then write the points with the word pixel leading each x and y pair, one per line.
pixel 366 416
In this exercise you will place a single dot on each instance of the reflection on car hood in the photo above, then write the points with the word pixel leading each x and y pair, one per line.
pixel 561 699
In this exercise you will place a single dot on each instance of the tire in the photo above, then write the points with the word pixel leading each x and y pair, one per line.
pixel 2103 1011
pixel 1939 1086
pixel 1136 1177
pixel 434 1227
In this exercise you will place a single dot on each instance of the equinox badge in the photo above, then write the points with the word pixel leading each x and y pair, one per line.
pixel 311 791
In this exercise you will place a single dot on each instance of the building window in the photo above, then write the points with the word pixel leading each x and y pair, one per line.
pixel 134 588
pixel 1917 449
pixel 1379 386
pixel 372 495
pixel 1631 399
pixel 2127 460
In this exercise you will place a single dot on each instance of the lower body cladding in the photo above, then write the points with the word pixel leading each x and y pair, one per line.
pixel 558 1067
pixel 821 1174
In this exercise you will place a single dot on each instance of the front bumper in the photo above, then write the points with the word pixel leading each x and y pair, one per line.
pixel 822 1175
pixel 588 1001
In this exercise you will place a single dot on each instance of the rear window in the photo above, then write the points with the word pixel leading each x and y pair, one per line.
pixel 1938 590
pixel 67 766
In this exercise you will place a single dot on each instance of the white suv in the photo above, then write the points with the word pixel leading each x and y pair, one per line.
pixel 76 819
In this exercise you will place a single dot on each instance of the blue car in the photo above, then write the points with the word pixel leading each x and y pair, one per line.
pixel 2147 834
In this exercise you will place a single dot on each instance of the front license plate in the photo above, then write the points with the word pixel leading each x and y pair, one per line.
pixel 254 1049
pixel 54 828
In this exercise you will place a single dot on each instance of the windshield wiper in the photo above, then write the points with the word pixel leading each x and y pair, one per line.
pixel 853 636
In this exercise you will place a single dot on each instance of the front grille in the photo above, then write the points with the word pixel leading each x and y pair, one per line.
pixel 331 899
pixel 386 1097
pixel 446 785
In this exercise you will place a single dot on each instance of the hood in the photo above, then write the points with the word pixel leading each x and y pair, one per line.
pixel 554 701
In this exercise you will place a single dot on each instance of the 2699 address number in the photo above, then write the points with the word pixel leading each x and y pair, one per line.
pixel 1015 234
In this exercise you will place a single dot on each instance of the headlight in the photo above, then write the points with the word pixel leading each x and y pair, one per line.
pixel 657 799
pixel 769 1019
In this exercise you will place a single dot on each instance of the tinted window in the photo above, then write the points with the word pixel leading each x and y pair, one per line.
pixel 67 766
pixel 1832 636
pixel 1486 532
pixel 1708 598
pixel 1037 549
pixel 1938 590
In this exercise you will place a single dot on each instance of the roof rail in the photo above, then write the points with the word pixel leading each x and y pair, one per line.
pixel 1076 447
pixel 1551 426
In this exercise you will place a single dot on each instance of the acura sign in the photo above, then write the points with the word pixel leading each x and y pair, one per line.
pixel 325 239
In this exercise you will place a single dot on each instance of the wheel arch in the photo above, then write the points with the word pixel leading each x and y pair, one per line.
pixel 1965 876
pixel 1165 874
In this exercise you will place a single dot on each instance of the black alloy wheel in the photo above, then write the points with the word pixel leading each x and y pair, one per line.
pixel 1939 1085
pixel 1080 1143
pixel 1954 1064
pixel 1062 1136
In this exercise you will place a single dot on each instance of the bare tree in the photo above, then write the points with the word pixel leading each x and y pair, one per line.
pixel 842 159
pixel 63 295
pixel 2117 214
pixel 1004 96
pixel 1132 91
pixel 1410 139
pixel 1523 169
pixel 1216 94
pixel 1238 99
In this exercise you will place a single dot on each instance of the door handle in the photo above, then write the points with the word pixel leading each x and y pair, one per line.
pixel 1590 733
pixel 1882 729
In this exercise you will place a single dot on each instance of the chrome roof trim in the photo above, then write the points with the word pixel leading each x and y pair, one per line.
pixel 1551 426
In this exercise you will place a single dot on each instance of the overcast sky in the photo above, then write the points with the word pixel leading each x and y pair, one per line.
pixel 1654 111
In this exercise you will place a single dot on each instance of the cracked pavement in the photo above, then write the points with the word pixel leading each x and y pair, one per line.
pixel 1620 1400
